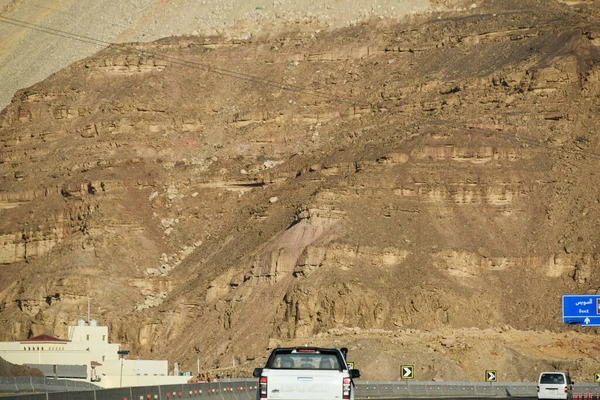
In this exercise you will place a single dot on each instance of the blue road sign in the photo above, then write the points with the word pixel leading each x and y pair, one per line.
pixel 581 309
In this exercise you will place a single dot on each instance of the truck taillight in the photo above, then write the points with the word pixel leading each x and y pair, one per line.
pixel 538 389
pixel 346 388
pixel 566 389
pixel 263 387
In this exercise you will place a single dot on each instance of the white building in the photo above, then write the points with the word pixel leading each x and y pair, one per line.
pixel 88 356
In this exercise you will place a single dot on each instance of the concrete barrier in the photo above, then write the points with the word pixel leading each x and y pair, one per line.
pixel 245 389
pixel 145 393
pixel 374 390
pixel 87 395
pixel 113 394
pixel 30 396
pixel 171 392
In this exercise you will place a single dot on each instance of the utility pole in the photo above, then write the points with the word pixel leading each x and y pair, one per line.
pixel 197 349
pixel 123 354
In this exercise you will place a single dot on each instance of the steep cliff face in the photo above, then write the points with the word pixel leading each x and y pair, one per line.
pixel 419 190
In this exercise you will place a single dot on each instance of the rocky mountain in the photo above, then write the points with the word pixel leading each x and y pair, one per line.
pixel 422 191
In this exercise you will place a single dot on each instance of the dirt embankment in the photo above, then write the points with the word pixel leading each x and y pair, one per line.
pixel 8 369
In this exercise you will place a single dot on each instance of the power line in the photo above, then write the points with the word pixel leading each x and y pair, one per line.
pixel 177 61
pixel 536 143
pixel 245 77
pixel 52 31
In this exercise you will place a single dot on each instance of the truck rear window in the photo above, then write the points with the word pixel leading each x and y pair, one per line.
pixel 305 361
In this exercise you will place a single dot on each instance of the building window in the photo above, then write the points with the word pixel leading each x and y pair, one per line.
pixel 87 337
pixel 103 357
pixel 104 338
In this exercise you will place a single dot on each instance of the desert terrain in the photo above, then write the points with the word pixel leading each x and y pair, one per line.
pixel 421 187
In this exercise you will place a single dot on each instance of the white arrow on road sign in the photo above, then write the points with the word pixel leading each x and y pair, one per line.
pixel 408 372
pixel 491 376
pixel 586 320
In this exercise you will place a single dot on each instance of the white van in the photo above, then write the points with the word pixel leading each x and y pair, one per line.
pixel 554 385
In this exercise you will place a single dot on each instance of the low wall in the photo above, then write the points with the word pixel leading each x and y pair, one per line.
pixel 407 388
pixel 368 390
pixel 245 389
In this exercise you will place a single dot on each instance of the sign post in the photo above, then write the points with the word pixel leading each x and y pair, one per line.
pixel 581 309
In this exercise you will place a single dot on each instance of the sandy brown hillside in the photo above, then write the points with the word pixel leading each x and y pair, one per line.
pixel 8 369
pixel 422 191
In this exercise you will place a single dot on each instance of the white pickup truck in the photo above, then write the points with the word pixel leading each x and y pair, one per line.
pixel 306 373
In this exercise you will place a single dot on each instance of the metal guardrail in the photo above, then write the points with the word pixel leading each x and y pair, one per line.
pixel 245 389
pixel 9 384
pixel 398 389
pixel 395 389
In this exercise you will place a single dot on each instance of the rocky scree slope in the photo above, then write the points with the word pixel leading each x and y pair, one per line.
pixel 421 191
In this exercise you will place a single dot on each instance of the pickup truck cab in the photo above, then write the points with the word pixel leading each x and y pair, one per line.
pixel 306 373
